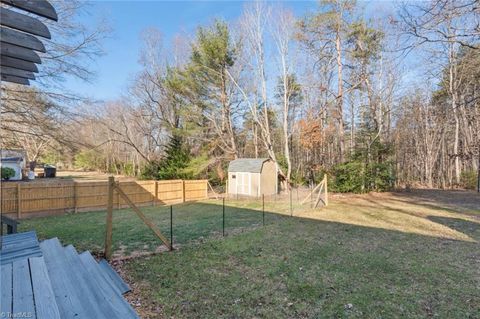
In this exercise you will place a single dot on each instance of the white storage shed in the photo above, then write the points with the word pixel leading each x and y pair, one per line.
pixel 252 177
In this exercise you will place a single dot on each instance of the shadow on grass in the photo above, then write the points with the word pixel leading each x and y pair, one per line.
pixel 192 222
pixel 469 228
pixel 459 200
pixel 307 268
pixel 196 222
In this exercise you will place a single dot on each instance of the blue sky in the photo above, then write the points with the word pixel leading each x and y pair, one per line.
pixel 129 18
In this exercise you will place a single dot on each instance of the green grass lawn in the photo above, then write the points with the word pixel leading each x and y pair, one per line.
pixel 371 256
pixel 191 222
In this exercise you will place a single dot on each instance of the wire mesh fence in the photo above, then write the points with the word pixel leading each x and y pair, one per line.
pixel 226 215
pixel 186 223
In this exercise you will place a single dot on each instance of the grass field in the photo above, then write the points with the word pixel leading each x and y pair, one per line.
pixel 397 255
pixel 192 222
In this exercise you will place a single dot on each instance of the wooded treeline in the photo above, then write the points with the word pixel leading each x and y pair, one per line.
pixel 375 101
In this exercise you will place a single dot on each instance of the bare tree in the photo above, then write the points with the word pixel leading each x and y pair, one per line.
pixel 445 25
pixel 41 113
pixel 283 31
pixel 325 34
pixel 441 21
pixel 254 27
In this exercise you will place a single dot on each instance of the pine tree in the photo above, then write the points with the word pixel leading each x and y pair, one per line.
pixel 176 159
pixel 172 165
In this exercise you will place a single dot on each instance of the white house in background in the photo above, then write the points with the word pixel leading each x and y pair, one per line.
pixel 252 177
pixel 14 159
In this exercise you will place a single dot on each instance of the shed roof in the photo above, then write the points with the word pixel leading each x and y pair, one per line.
pixel 11 159
pixel 251 165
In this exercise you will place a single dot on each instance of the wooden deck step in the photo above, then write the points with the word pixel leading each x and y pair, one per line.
pixel 19 246
pixel 22 300
pixel 6 289
pixel 48 281
pixel 97 298
pixel 112 274
pixel 107 286
pixel 73 298
pixel 22 244
pixel 14 237
pixel 45 303
pixel 8 258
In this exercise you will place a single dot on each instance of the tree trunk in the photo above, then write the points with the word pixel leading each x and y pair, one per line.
pixel 341 138
pixel 285 128
pixel 453 96
pixel 255 139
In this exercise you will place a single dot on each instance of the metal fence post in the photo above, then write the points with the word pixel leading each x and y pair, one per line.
pixel 171 227
pixel 478 173
pixel 263 209
pixel 291 207
pixel 223 217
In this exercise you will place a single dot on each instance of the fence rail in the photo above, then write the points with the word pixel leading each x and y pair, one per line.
pixel 22 200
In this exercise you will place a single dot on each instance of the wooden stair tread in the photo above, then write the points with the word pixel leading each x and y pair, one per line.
pixel 22 291
pixel 45 304
pixel 6 289
pixel 107 286
pixel 114 276
pixel 70 295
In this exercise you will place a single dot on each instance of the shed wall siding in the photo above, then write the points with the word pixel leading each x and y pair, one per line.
pixel 254 184
pixel 269 178
pixel 231 183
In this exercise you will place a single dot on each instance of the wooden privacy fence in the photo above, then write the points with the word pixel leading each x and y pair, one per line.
pixel 24 199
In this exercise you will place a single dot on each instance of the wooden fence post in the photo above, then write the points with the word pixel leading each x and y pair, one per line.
pixel 108 233
pixel 19 201
pixel 75 197
pixel 310 195
pixel 213 191
pixel 183 191
pixel 117 184
pixel 156 194
pixel 326 190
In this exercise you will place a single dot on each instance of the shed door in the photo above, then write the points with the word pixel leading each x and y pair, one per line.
pixel 242 183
